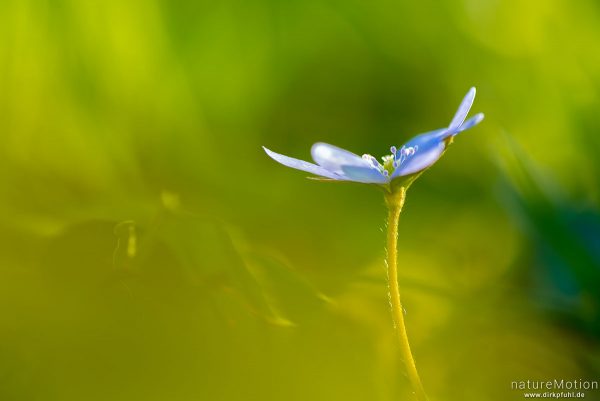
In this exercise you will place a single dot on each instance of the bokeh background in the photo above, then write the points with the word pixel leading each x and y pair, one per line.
pixel 150 250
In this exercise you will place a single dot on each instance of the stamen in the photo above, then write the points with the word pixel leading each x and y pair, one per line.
pixel 399 153
pixel 406 152
pixel 372 161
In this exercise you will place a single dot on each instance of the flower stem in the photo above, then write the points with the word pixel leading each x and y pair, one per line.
pixel 395 201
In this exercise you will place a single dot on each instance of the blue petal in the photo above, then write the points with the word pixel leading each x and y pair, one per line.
pixel 471 122
pixel 462 111
pixel 333 158
pixel 302 165
pixel 425 138
pixel 426 154
pixel 365 175
pixel 430 145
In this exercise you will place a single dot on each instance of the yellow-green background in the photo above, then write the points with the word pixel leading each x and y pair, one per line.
pixel 150 250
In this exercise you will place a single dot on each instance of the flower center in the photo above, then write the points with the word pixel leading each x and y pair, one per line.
pixel 391 162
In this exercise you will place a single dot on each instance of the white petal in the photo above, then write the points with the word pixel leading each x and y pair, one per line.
pixel 333 158
pixel 302 165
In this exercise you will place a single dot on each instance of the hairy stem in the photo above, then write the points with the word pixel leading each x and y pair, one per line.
pixel 395 201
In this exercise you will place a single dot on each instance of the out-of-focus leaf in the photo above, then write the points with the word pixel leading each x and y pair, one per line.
pixel 210 262
pixel 286 288
pixel 566 273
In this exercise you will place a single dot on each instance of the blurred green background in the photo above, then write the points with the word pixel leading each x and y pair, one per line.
pixel 152 251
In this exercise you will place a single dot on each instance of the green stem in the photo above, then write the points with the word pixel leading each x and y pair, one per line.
pixel 395 201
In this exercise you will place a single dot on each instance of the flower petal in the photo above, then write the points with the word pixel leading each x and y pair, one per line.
pixel 428 147
pixel 365 175
pixel 425 138
pixel 302 165
pixel 463 110
pixel 471 122
pixel 333 158
pixel 426 154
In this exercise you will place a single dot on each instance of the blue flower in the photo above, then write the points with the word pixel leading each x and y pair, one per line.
pixel 413 157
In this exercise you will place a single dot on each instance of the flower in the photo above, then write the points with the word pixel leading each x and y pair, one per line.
pixel 413 157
